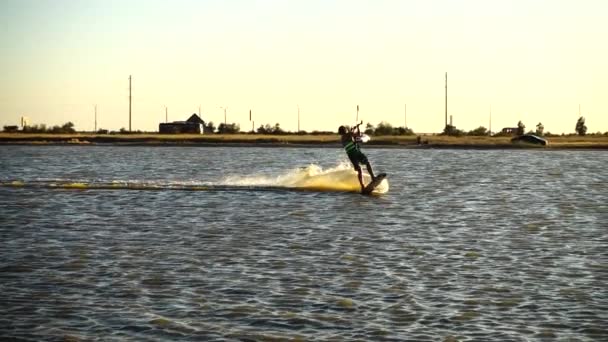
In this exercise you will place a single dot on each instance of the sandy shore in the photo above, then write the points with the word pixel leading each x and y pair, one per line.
pixel 428 141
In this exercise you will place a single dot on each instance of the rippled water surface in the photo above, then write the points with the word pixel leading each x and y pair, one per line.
pixel 193 243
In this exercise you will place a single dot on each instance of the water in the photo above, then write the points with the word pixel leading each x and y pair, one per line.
pixel 192 243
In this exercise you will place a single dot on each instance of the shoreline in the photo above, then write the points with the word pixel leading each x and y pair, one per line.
pixel 299 141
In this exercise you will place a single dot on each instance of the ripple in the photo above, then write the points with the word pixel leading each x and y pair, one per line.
pixel 458 250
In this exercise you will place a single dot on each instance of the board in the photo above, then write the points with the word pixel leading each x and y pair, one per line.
pixel 373 184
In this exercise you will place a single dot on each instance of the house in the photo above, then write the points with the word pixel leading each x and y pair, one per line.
pixel 194 125
pixel 11 129
pixel 509 130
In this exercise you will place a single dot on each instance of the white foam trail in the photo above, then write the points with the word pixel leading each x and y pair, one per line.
pixel 312 177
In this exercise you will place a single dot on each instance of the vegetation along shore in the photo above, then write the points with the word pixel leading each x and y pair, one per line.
pixel 294 140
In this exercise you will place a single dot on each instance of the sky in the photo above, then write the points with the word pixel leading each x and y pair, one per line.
pixel 529 60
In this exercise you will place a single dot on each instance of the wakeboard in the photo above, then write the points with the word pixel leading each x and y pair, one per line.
pixel 373 184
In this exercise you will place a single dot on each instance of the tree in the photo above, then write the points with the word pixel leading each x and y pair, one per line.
pixel 264 129
pixel 581 128
pixel 384 128
pixel 68 127
pixel 452 131
pixel 540 129
pixel 277 129
pixel 369 129
pixel 404 131
pixel 479 131
pixel 210 127
pixel 521 128
pixel 231 128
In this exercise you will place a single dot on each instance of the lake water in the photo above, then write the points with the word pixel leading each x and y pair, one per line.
pixel 270 244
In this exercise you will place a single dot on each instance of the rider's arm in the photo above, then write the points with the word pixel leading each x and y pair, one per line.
pixel 356 131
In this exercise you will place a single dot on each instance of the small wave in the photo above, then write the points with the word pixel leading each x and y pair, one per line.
pixel 312 177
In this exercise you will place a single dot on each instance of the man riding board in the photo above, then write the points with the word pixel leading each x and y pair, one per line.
pixel 350 141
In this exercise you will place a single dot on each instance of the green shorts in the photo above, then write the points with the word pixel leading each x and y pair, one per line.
pixel 357 157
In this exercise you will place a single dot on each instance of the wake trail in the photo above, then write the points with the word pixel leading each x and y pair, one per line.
pixel 341 178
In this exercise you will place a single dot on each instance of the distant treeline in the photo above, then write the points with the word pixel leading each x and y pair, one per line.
pixel 520 129
pixel 382 129
pixel 66 128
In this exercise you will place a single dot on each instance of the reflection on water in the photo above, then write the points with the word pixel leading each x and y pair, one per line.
pixel 466 245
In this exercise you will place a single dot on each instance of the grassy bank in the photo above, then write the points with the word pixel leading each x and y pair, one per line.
pixel 428 141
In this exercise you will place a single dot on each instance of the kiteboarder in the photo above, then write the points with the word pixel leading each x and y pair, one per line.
pixel 350 141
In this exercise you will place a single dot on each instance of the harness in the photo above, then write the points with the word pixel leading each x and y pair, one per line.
pixel 350 147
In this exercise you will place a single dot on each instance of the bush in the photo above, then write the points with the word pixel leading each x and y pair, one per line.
pixel 540 128
pixel 404 131
pixel 231 128
pixel 267 129
pixel 209 128
pixel 452 131
pixel 479 131
pixel 521 128
pixel 67 128
pixel 581 128
pixel 384 128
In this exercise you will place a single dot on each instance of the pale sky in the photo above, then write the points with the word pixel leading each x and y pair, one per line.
pixel 529 60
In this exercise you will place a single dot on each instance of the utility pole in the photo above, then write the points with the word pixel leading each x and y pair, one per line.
pixel 446 99
pixel 129 103
pixel 490 130
pixel 166 115
pixel 95 118
pixel 224 108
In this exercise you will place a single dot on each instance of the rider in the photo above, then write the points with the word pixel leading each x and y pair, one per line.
pixel 350 141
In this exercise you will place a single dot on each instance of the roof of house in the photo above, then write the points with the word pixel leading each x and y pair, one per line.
pixel 195 119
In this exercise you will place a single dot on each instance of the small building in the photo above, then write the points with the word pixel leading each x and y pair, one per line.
pixel 11 129
pixel 194 125
pixel 509 130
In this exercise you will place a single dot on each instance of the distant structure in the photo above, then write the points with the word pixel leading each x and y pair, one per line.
pixel 446 99
pixel 509 130
pixel 129 103
pixel 194 125
pixel 25 121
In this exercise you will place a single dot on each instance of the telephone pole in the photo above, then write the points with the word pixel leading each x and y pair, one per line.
pixel 490 130
pixel 166 115
pixel 224 108
pixel 129 103
pixel 446 99
pixel 252 122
